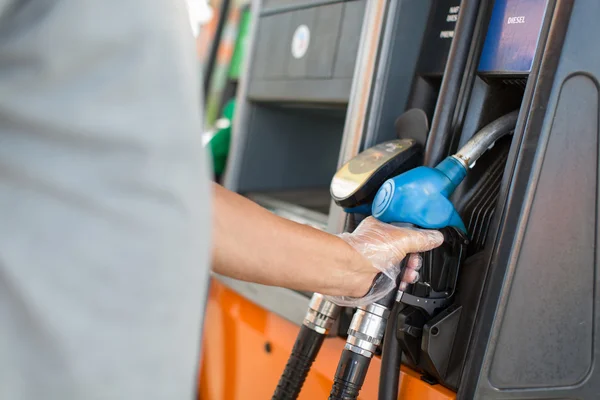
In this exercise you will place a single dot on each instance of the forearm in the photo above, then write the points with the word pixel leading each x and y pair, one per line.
pixel 253 244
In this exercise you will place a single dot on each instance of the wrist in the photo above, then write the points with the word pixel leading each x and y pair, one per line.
pixel 355 273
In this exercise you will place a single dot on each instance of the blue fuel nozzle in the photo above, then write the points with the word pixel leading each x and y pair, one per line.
pixel 421 196
pixel 364 209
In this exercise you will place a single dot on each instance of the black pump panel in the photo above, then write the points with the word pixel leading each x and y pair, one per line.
pixel 537 329
pixel 545 339
pixel 438 38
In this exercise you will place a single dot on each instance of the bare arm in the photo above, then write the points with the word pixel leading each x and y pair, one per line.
pixel 255 245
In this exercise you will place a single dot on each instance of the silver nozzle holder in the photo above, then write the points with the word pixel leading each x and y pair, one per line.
pixel 321 314
pixel 366 329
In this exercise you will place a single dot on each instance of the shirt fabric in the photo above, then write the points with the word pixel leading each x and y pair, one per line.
pixel 104 201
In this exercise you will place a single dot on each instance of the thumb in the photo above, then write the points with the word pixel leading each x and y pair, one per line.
pixel 419 240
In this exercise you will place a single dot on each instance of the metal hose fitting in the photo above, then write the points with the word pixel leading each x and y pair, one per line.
pixel 366 329
pixel 321 314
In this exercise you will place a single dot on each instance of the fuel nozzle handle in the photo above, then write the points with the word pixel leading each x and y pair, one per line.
pixel 421 196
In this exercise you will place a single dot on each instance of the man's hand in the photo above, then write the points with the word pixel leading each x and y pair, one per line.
pixel 253 244
pixel 382 247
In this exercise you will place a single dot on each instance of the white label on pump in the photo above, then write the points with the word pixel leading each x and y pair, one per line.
pixel 300 41
pixel 516 20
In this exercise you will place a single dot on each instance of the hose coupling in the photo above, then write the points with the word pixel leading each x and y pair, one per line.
pixel 321 314
pixel 367 329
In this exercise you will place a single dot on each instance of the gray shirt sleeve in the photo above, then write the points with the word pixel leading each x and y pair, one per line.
pixel 104 200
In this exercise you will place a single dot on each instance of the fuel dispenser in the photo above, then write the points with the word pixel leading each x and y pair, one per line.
pixel 417 197
pixel 422 89
pixel 515 283
pixel 416 327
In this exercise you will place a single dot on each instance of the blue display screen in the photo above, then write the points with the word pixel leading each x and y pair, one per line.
pixel 512 36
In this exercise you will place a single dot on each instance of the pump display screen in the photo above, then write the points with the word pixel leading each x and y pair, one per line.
pixel 512 37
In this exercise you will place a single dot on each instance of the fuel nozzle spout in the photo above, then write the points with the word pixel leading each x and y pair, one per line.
pixel 421 196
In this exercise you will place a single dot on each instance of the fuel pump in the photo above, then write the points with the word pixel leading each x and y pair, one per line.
pixel 418 197
pixel 354 192
pixel 412 311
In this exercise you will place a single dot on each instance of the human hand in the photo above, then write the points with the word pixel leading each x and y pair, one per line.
pixel 381 248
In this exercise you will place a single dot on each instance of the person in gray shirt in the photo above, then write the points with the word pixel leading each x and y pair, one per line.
pixel 109 222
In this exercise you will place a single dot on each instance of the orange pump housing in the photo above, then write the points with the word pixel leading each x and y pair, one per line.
pixel 245 350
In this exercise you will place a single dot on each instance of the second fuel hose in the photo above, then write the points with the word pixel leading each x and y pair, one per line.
pixel 391 358
pixel 364 336
pixel 350 375
pixel 306 348
pixel 317 322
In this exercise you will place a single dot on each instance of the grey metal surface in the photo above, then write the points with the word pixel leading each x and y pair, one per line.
pixel 318 91
pixel 286 303
pixel 323 73
pixel 363 81
pixel 326 28
pixel 316 200
pixel 291 211
pixel 290 149
pixel 272 146
pixel 296 68
pixel 347 50
pixel 387 60
pixel 401 44
pixel 278 6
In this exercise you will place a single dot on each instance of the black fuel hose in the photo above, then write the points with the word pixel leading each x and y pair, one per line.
pixel 306 348
pixel 352 367
pixel 350 376
pixel 391 358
